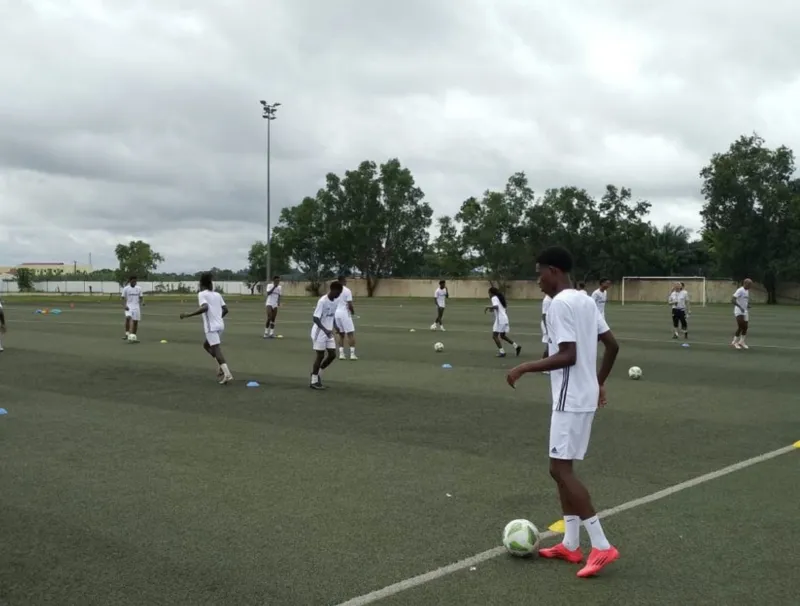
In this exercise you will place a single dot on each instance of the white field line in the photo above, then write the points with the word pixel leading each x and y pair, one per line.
pixel 427 577
pixel 724 342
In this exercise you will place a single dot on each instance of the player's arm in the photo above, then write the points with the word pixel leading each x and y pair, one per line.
pixel 565 356
pixel 318 322
pixel 200 310
pixel 2 320
pixel 224 310
pixel 124 298
pixel 609 355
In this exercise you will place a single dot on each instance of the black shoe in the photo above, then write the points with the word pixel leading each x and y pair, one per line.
pixel 317 386
pixel 518 349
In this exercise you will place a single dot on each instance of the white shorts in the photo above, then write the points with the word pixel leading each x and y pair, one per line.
pixel 134 314
pixel 569 434
pixel 214 337
pixel 344 322
pixel 500 328
pixel 320 341
pixel 545 340
pixel 745 315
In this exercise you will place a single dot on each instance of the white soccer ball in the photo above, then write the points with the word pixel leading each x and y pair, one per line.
pixel 635 373
pixel 438 346
pixel 521 538
pixel 132 338
pixel 433 326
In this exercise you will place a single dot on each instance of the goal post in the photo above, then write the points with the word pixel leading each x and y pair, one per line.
pixel 655 289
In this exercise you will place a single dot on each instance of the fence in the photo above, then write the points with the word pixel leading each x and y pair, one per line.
pixel 718 291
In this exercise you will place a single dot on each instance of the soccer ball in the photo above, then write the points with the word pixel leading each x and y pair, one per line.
pixel 635 373
pixel 521 538
pixel 433 326
pixel 132 338
pixel 438 346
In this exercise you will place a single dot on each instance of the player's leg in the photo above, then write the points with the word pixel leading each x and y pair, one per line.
pixel 496 338
pixel 439 318
pixel 127 324
pixel 319 347
pixel 346 328
pixel 675 320
pixel 212 345
pixel 338 335
pixel 134 324
pixel 517 348
pixel 351 341
pixel 745 324
pixel 273 317
pixel 684 324
pixel 267 320
pixel 737 337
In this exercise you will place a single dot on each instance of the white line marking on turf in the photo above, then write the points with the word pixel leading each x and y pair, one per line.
pixel 427 577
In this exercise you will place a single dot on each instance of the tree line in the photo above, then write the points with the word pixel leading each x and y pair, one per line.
pixel 375 222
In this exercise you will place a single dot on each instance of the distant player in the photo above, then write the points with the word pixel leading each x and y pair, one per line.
pixel 273 302
pixel 600 296
pixel 545 306
pixel 322 340
pixel 582 288
pixel 500 329
pixel 2 325
pixel 213 309
pixel 679 301
pixel 132 304
pixel 440 295
pixel 343 320
pixel 574 327
pixel 741 311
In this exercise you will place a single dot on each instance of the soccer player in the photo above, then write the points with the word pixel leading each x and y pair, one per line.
pixel 574 327
pixel 322 340
pixel 132 304
pixel 440 295
pixel 600 296
pixel 498 305
pixel 273 302
pixel 679 300
pixel 582 288
pixel 343 320
pixel 741 311
pixel 213 309
pixel 2 325
pixel 545 306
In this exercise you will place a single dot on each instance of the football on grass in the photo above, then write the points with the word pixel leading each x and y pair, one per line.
pixel 438 346
pixel 521 538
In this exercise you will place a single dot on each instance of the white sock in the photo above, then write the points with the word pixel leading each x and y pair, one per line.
pixel 224 368
pixel 314 379
pixel 501 350
pixel 352 351
pixel 596 534
pixel 735 339
pixel 742 338
pixel 514 345
pixel 127 334
pixel 572 532
pixel 341 351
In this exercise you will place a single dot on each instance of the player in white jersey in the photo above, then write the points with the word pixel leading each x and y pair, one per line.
pixel 440 295
pixel 679 302
pixel 274 291
pixel 213 309
pixel 582 288
pixel 600 296
pixel 500 328
pixel 741 311
pixel 322 339
pixel 132 304
pixel 2 325
pixel 343 321
pixel 574 326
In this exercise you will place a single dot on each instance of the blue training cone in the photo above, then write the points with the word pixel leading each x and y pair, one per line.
pixel 3 411
pixel 252 384
pixel 446 366
pixel 685 345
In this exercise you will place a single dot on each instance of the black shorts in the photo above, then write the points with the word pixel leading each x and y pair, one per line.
pixel 678 314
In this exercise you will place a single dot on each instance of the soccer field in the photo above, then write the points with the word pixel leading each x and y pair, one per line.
pixel 129 477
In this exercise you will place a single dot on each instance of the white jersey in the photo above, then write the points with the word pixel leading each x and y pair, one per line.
pixel 575 318
pixel 742 298
pixel 545 307
pixel 342 300
pixel 325 311
pixel 274 295
pixel 441 297
pixel 679 299
pixel 583 292
pixel 600 297
pixel 500 314
pixel 132 296
pixel 212 317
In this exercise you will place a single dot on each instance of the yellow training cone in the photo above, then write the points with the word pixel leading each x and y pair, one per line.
pixel 557 527
pixel 163 340
pixel 796 444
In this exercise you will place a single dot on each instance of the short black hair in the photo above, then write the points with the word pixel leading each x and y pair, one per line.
pixel 276 277
pixel 132 278
pixel 336 286
pixel 441 282
pixel 206 280
pixel 581 284
pixel 556 256
pixel 341 277
pixel 604 280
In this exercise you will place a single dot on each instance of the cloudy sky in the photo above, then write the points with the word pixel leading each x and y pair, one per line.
pixel 140 119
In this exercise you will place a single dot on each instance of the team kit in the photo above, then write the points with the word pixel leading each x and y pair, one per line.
pixel 573 325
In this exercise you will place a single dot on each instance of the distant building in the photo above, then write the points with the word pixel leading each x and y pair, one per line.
pixel 47 269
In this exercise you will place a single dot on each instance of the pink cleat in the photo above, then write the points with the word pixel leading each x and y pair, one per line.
pixel 560 552
pixel 598 559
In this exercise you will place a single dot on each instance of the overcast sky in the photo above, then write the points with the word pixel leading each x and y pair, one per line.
pixel 140 119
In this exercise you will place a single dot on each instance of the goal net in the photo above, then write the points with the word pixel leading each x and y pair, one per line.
pixel 655 289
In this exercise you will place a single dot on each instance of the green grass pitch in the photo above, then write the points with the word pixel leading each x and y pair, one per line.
pixel 129 477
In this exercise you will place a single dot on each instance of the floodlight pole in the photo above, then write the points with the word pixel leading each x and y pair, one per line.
pixel 268 113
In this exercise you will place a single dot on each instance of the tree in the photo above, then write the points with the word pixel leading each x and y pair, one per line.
pixel 137 258
pixel 376 220
pixel 302 236
pixel 24 278
pixel 752 212
pixel 449 251
pixel 493 230
pixel 257 261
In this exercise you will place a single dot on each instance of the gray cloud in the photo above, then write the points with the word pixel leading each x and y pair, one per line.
pixel 142 120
